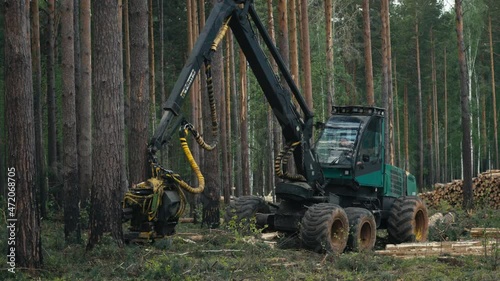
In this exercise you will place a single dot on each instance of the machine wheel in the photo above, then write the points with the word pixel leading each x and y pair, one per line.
pixel 325 228
pixel 245 207
pixel 408 220
pixel 362 229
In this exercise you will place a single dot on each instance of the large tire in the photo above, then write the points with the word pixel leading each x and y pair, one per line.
pixel 325 228
pixel 408 220
pixel 362 229
pixel 245 207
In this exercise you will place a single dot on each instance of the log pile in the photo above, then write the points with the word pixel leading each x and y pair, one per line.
pixel 486 188
pixel 449 248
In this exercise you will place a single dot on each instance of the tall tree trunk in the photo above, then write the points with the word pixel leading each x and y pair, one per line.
pixel 212 171
pixel 283 47
pixel 23 216
pixel 445 166
pixel 468 196
pixel 493 94
pixel 437 156
pixel 225 121
pixel 484 136
pixel 245 159
pixel 108 141
pixel 84 108
pixel 390 113
pixel 126 43
pixel 139 92
pixel 385 76
pixel 398 131
pixel 236 128
pixel 387 81
pixel 429 143
pixel 306 54
pixel 330 80
pixel 271 120
pixel 294 52
pixel 51 98
pixel 152 64
pixel 163 98
pixel 420 179
pixel 406 129
pixel 370 96
pixel 41 181
pixel 195 98
pixel 71 201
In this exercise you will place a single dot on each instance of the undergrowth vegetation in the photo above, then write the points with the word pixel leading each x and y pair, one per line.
pixel 236 252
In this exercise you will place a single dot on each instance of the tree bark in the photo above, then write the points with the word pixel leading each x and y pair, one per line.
pixel 271 120
pixel 41 174
pixel 51 98
pixel 23 215
pixel 108 134
pixel 493 94
pixel 445 166
pixel 84 108
pixel 437 154
pixel 330 81
pixel 236 128
pixel 212 171
pixel 152 64
pixel 397 135
pixel 71 201
pixel 306 54
pixel 225 124
pixel 387 81
pixel 294 52
pixel 406 129
pixel 245 159
pixel 139 93
pixel 126 43
pixel 370 96
pixel 468 196
pixel 420 178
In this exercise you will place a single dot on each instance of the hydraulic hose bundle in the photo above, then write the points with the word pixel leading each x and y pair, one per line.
pixel 282 160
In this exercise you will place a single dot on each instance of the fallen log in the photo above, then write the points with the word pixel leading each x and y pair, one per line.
pixel 485 233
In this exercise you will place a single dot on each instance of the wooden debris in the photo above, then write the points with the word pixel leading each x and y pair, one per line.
pixel 269 236
pixel 449 248
pixel 485 233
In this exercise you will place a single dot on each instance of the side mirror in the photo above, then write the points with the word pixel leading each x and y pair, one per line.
pixel 365 158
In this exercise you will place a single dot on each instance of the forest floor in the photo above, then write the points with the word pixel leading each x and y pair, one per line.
pixel 196 253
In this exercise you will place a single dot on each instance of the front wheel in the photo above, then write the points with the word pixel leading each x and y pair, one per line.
pixel 408 220
pixel 325 228
pixel 362 229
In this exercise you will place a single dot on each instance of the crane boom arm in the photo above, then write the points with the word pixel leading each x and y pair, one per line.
pixel 239 15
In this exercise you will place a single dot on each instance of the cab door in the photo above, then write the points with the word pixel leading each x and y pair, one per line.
pixel 370 157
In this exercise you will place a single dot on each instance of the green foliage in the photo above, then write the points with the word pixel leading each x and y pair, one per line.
pixel 216 254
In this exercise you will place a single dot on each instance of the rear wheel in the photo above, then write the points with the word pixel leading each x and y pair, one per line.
pixel 245 207
pixel 362 229
pixel 408 220
pixel 325 228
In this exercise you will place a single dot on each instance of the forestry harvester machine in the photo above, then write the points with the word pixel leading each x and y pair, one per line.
pixel 342 192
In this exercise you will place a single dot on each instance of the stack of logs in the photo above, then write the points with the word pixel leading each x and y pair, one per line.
pixel 486 189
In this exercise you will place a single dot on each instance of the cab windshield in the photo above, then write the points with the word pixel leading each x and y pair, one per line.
pixel 337 143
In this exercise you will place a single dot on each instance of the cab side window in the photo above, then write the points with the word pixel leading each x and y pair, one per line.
pixel 370 146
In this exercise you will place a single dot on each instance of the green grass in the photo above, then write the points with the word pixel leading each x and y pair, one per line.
pixel 230 254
